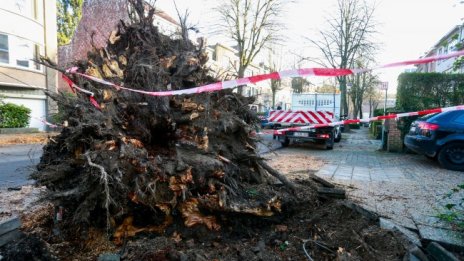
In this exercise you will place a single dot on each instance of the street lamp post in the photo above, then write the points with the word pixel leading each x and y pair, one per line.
pixel 335 90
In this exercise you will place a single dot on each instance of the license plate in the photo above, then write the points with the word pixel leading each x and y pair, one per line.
pixel 300 134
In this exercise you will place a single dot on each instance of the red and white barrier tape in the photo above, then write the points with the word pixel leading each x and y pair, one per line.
pixel 74 87
pixel 46 122
pixel 352 121
pixel 390 116
pixel 328 72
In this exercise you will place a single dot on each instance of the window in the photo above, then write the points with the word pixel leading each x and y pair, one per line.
pixel 4 50
pixel 460 119
pixel 24 53
pixel 19 52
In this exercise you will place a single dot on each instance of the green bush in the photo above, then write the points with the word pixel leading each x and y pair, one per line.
pixel 422 91
pixel 375 129
pixel 379 112
pixel 13 116
pixel 355 126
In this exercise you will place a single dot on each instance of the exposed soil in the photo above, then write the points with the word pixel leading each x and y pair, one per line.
pixel 330 229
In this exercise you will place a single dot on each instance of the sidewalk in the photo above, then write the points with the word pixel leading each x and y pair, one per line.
pixel 28 138
pixel 408 189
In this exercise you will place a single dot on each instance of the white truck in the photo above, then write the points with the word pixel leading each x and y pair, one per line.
pixel 309 109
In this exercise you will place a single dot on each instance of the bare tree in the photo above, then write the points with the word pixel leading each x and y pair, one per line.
pixel 275 64
pixel 185 26
pixel 361 84
pixel 374 96
pixel 252 25
pixel 299 84
pixel 348 34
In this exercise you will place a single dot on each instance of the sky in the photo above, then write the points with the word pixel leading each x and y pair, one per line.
pixel 406 28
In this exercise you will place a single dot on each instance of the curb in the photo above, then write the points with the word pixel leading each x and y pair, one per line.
pixel 9 230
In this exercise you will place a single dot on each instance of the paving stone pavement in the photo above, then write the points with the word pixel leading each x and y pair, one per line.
pixel 406 188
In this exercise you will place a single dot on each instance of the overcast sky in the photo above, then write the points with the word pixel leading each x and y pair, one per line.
pixel 407 28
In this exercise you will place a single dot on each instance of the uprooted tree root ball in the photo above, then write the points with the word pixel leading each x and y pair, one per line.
pixel 138 163
pixel 176 177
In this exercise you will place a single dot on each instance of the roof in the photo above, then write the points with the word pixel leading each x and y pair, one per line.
pixel 432 50
pixel 448 35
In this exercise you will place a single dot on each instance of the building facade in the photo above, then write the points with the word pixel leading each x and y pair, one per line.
pixel 223 62
pixel 451 42
pixel 28 30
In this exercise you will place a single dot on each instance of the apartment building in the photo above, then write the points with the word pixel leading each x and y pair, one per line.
pixel 27 30
pixel 451 42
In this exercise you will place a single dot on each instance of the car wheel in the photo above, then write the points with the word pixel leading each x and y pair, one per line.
pixel 451 156
pixel 285 143
pixel 338 138
pixel 329 145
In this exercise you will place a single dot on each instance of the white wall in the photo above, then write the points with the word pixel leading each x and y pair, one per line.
pixel 21 26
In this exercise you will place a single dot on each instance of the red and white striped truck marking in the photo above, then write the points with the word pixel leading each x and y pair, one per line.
pixel 300 117
pixel 390 116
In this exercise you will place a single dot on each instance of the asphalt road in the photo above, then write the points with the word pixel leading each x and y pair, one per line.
pixel 17 163
pixel 266 143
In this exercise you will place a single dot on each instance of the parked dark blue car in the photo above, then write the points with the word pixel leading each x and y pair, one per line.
pixel 439 136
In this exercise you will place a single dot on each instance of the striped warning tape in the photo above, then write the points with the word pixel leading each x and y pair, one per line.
pixel 327 72
pixel 355 121
pixel 46 122
pixel 344 122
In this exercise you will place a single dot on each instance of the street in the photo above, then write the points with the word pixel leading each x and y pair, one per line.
pixel 17 163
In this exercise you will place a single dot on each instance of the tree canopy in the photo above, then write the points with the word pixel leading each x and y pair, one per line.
pixel 251 25
pixel 348 35
pixel 69 13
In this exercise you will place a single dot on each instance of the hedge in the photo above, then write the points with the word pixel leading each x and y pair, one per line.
pixel 379 112
pixel 375 129
pixel 421 91
pixel 355 126
pixel 13 116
